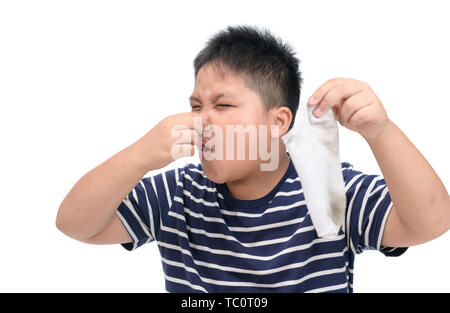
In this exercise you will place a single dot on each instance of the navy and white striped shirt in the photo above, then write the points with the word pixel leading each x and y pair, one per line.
pixel 210 241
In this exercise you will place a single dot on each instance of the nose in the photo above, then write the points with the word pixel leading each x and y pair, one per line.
pixel 206 123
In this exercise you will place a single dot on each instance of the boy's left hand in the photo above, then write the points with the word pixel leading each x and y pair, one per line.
pixel 354 104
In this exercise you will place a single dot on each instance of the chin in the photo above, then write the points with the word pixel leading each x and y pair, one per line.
pixel 222 171
pixel 215 171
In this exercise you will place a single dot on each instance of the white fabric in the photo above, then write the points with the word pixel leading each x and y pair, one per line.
pixel 313 145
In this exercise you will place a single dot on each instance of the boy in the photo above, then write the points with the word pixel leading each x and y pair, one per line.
pixel 225 225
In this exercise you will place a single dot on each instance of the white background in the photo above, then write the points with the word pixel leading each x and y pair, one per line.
pixel 81 80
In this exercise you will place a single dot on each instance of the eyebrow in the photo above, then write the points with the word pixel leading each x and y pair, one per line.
pixel 217 97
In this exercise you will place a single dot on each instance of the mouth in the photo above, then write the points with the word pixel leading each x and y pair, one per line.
pixel 206 151
pixel 205 148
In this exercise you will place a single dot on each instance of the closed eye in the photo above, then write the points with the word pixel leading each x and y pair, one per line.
pixel 220 105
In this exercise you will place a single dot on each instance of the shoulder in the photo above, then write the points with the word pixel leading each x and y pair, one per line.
pixel 346 166
pixel 193 174
pixel 170 179
pixel 352 175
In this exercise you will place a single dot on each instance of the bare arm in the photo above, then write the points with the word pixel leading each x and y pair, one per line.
pixel 88 212
pixel 92 202
pixel 421 209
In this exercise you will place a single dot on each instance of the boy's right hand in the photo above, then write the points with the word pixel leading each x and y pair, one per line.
pixel 87 212
pixel 172 138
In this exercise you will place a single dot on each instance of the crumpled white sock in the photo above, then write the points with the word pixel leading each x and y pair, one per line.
pixel 313 145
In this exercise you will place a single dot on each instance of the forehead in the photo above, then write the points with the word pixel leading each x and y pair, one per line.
pixel 210 83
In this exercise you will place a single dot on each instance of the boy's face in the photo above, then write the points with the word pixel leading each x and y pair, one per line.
pixel 238 106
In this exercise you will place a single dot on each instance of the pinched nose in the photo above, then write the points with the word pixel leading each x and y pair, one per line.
pixel 207 134
pixel 207 131
pixel 202 126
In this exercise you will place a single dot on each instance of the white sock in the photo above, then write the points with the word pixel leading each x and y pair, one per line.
pixel 313 145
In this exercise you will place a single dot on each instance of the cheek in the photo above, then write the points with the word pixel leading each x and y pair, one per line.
pixel 244 133
pixel 242 116
pixel 222 171
pixel 249 120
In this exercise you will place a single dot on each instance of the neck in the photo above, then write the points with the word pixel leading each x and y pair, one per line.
pixel 260 183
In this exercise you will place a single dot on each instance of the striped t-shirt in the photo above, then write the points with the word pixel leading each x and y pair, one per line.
pixel 210 241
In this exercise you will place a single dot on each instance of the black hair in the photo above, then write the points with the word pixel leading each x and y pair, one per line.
pixel 265 63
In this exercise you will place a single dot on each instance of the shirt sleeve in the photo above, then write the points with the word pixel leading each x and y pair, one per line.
pixel 368 207
pixel 144 208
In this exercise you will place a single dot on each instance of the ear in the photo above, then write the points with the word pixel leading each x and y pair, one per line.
pixel 280 119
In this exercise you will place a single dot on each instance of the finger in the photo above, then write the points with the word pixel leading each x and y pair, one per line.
pixel 183 150
pixel 320 93
pixel 352 105
pixel 336 113
pixel 198 123
pixel 336 96
pixel 190 120
pixel 187 136
pixel 323 89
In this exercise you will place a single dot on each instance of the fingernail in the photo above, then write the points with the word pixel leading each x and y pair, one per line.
pixel 312 100
pixel 317 111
